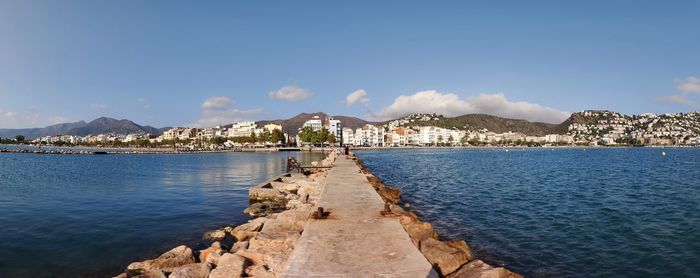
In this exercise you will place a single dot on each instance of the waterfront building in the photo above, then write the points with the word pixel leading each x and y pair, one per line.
pixel 335 128
pixel 315 123
pixel 241 129
pixel 271 127
pixel 369 136
pixel 348 138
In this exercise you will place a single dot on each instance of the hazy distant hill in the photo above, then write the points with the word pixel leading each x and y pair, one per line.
pixel 81 128
pixel 292 125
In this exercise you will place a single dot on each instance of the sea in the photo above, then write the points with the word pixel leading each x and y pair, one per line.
pixel 92 215
pixel 562 212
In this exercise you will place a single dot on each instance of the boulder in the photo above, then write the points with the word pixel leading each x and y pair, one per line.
pixel 213 259
pixel 479 269
pixel 259 271
pixel 291 187
pixel 264 208
pixel 288 179
pixel 215 235
pixel 445 258
pixel 178 256
pixel 295 217
pixel 243 235
pixel 145 273
pixel 238 246
pixel 230 266
pixel 419 231
pixel 198 270
pixel 265 194
pixel 214 249
pixel 123 275
pixel 461 245
pixel 252 225
pixel 293 203
pixel 310 188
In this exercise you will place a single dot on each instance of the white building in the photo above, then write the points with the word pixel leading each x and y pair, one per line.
pixel 314 123
pixel 335 128
pixel 241 129
pixel 369 136
pixel 348 136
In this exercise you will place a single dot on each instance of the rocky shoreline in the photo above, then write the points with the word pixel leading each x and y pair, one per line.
pixel 281 207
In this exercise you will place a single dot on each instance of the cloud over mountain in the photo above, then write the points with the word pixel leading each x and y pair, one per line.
pixel 359 95
pixel 452 105
pixel 220 111
pixel 691 85
pixel 289 93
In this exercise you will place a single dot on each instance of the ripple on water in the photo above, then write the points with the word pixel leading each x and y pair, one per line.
pixel 559 213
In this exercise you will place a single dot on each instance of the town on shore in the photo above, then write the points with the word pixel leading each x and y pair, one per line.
pixel 586 128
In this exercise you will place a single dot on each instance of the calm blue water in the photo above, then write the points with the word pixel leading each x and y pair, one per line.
pixel 562 212
pixel 91 215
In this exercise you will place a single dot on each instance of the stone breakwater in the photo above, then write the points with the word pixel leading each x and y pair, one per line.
pixel 259 248
pixel 281 207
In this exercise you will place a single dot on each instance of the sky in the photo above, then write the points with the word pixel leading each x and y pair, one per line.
pixel 203 63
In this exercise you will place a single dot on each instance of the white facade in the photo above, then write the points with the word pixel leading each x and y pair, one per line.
pixel 241 129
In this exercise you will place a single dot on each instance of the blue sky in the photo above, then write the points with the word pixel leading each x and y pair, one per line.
pixel 165 63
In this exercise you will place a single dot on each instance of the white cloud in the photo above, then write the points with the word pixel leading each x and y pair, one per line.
pixel 289 93
pixel 220 111
pixel 681 100
pixel 358 95
pixel 691 85
pixel 98 106
pixel 452 105
pixel 141 99
pixel 217 103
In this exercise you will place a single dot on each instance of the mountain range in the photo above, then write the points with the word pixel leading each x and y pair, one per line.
pixel 465 122
pixel 82 128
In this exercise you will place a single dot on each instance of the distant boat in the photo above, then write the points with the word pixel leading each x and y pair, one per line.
pixel 663 153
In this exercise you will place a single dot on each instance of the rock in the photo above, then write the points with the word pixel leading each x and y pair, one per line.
pixel 444 257
pixel 147 273
pixel 310 188
pixel 461 245
pixel 265 194
pixel 198 270
pixel 230 265
pixel 259 271
pixel 264 208
pixel 214 249
pixel 213 259
pixel 419 231
pixel 295 217
pixel 479 269
pixel 178 256
pixel 215 235
pixel 243 235
pixel 238 246
pixel 291 187
pixel 123 275
pixel 293 203
pixel 288 179
pixel 278 185
pixel 252 225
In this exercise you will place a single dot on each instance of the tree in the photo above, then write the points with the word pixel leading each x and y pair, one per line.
pixel 19 138
pixel 306 134
pixel 450 139
pixel 277 136
pixel 218 140
pixel 439 140
pixel 253 137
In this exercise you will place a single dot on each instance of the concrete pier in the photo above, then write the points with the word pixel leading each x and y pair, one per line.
pixel 355 240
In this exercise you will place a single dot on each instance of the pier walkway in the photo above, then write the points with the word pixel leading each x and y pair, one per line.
pixel 355 240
